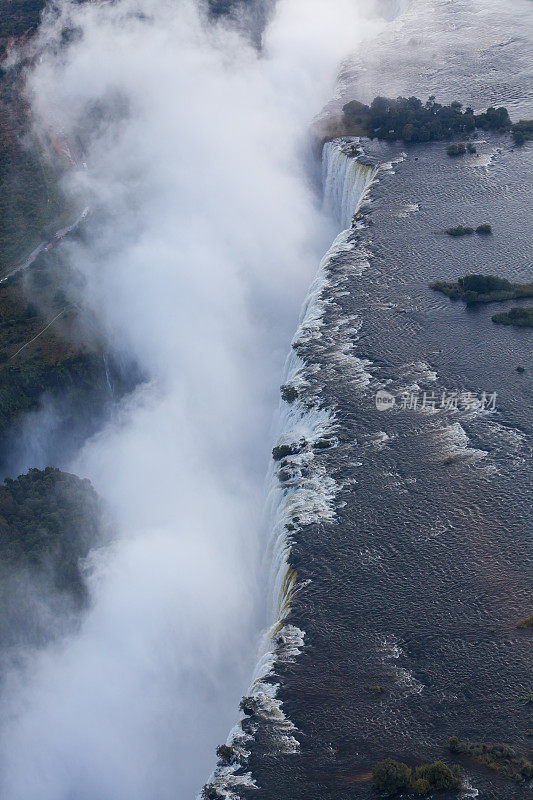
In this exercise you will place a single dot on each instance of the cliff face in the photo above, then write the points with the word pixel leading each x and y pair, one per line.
pixel 30 199
pixel 251 16
pixel 18 18
pixel 59 361
pixel 59 365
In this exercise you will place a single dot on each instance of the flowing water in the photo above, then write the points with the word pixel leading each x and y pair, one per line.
pixel 400 538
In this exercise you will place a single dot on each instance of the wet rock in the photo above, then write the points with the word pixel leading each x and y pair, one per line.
pixel 288 393
pixel 283 450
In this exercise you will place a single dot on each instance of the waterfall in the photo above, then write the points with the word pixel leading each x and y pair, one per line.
pixel 300 492
pixel 345 180
pixel 108 377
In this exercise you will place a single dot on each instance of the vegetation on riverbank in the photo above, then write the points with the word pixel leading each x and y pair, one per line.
pixel 526 623
pixel 395 777
pixel 499 757
pixel 520 317
pixel 482 289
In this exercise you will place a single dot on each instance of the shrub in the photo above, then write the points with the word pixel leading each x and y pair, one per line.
pixel 484 228
pixel 391 776
pixel 439 775
pixel 453 744
pixel 456 149
pixel 471 148
pixel 528 621
pixel 459 230
pixel 421 786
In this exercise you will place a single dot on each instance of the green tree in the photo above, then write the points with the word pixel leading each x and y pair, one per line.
pixel 391 776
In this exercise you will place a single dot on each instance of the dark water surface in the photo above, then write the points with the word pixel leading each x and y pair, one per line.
pixel 418 582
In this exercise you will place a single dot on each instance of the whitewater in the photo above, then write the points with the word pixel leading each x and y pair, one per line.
pixel 299 490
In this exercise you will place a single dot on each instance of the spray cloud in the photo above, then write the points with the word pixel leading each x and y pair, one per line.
pixel 204 234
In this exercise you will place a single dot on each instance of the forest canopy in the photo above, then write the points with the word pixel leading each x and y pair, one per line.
pixel 49 520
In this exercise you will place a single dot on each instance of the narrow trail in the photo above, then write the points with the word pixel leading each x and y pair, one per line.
pixel 67 308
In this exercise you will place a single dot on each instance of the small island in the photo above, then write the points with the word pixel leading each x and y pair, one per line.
pixel 393 777
pixel 464 230
pixel 474 289
pixel 411 120
pixel 521 317
pixel 523 131
pixel 501 758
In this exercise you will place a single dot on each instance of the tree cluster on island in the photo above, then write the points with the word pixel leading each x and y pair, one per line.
pixel 520 317
pixel 482 289
pixel 498 757
pixel 463 230
pixel 395 777
pixel 411 120
pixel 523 131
